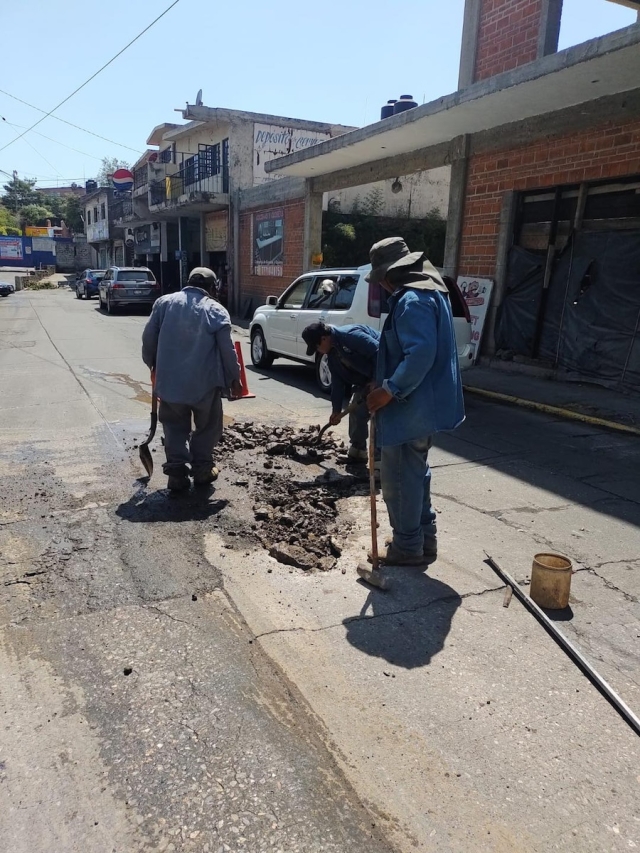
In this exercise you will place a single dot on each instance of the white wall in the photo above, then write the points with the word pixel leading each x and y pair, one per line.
pixel 420 193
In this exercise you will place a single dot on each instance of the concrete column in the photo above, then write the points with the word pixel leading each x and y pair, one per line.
pixel 505 242
pixel 469 45
pixel 457 196
pixel 549 27
pixel 312 239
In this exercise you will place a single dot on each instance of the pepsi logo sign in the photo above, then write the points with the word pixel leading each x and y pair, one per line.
pixel 122 180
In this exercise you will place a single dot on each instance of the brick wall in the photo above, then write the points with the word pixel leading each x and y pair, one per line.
pixel 609 151
pixel 259 287
pixel 507 36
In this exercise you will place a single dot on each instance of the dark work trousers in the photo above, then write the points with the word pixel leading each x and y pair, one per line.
pixel 190 434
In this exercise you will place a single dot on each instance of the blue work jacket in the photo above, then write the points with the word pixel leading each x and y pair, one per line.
pixel 352 360
pixel 418 364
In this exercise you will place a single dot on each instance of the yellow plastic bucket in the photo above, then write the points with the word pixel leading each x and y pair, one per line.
pixel 551 581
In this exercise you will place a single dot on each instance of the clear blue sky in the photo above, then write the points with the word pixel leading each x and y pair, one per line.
pixel 337 61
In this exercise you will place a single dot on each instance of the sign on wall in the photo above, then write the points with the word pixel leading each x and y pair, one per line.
pixel 271 141
pixel 34 231
pixel 216 231
pixel 477 295
pixel 268 242
pixel 11 248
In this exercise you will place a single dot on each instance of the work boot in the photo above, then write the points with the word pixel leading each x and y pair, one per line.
pixel 429 549
pixel 205 478
pixel 356 454
pixel 178 483
pixel 395 557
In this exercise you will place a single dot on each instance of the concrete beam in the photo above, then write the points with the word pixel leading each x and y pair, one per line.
pixel 225 116
pixel 312 239
pixel 549 27
pixel 380 170
pixel 469 45
pixel 273 192
pixel 457 195
pixel 505 242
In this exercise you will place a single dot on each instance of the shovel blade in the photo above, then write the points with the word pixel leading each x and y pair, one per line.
pixel 145 454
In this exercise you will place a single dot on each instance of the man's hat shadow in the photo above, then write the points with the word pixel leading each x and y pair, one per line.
pixel 407 624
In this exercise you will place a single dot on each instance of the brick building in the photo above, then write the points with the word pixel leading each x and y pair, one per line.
pixel 544 148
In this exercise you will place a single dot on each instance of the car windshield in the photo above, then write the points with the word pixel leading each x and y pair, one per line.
pixel 97 274
pixel 135 275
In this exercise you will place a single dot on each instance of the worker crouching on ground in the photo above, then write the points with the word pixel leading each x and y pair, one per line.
pixel 419 393
pixel 188 342
pixel 352 352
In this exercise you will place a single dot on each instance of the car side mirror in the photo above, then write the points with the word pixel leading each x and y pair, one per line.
pixel 272 301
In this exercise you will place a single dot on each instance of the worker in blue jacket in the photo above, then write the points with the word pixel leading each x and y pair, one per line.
pixel 352 353
pixel 418 393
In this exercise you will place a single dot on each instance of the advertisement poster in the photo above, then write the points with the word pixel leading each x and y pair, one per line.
pixel 271 141
pixel 34 231
pixel 477 295
pixel 215 231
pixel 268 242
pixel 11 248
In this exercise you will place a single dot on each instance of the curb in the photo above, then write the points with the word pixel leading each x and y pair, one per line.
pixel 547 409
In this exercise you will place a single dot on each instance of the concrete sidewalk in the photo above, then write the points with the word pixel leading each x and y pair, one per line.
pixel 582 400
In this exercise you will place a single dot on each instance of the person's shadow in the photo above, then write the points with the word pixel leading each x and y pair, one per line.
pixel 161 505
pixel 408 623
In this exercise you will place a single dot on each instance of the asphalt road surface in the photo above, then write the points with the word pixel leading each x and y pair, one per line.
pixel 166 685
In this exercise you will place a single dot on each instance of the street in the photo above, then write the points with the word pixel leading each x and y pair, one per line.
pixel 165 684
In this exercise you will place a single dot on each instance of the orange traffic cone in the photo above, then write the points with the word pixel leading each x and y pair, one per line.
pixel 243 376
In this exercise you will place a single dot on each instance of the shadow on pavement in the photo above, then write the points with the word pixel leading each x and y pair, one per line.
pixel 298 376
pixel 149 507
pixel 409 637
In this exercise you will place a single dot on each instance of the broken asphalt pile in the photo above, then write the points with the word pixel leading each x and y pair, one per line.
pixel 295 518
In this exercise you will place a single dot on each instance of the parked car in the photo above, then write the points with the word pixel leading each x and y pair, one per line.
pixel 127 286
pixel 336 297
pixel 87 283
pixel 6 288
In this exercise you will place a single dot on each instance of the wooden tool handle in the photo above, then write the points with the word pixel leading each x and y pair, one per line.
pixel 372 492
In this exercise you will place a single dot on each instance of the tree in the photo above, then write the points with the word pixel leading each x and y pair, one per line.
pixel 109 166
pixel 73 210
pixel 9 225
pixel 33 214
pixel 18 194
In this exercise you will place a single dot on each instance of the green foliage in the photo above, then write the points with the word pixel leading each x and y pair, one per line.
pixel 18 193
pixel 109 166
pixel 34 214
pixel 347 237
pixel 9 226
pixel 73 210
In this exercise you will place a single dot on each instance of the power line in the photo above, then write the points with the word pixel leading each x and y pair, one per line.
pixel 93 76
pixel 70 123
pixel 56 141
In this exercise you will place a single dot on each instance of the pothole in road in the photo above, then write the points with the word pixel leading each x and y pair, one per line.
pixel 294 489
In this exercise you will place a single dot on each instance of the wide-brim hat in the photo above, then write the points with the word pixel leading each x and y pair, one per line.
pixel 390 254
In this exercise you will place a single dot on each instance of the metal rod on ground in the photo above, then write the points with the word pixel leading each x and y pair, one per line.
pixel 570 650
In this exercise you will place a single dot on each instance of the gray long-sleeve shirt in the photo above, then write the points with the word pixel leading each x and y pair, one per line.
pixel 188 341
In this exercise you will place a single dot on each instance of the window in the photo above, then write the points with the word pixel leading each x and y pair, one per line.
pixel 103 211
pixel 135 275
pixel 95 214
pixel 295 296
pixel 88 217
pixel 346 291
pixel 321 294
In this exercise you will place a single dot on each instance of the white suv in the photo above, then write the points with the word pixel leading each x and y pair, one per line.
pixel 336 297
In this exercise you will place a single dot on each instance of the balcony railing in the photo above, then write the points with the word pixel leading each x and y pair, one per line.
pixel 141 177
pixel 120 209
pixel 183 183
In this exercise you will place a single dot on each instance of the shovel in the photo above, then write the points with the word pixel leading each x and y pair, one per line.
pixel 145 454
pixel 317 439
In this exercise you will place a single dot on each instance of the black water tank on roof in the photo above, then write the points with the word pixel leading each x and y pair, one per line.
pixel 90 186
pixel 406 102
pixel 387 110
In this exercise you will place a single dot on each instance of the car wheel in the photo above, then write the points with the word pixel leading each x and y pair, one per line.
pixel 111 309
pixel 78 294
pixel 323 373
pixel 260 355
